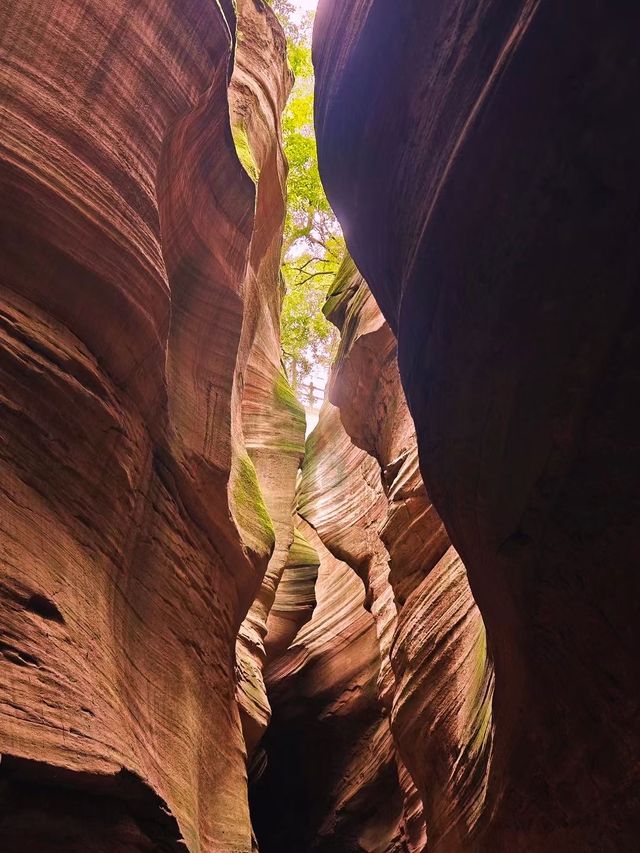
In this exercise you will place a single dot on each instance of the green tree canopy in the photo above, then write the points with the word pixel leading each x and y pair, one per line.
pixel 313 244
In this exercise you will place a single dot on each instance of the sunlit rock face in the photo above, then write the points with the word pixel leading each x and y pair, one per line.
pixel 361 490
pixel 139 347
pixel 483 160
pixel 295 597
pixel 269 421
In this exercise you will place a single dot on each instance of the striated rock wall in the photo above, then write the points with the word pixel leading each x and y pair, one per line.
pixel 140 389
pixel 295 598
pixel 330 781
pixel 482 159
pixel 156 571
pixel 381 734
pixel 361 489
pixel 270 423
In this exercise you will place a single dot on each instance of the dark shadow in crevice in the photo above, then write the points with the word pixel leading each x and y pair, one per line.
pixel 45 809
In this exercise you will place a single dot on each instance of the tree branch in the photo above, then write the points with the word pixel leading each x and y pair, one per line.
pixel 310 276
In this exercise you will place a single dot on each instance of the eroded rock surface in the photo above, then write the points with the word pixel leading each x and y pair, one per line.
pixel 138 363
pixel 330 781
pixel 483 161
pixel 362 491
pixel 381 734
pixel 156 569
pixel 270 421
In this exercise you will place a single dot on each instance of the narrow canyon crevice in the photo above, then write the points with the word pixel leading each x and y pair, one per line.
pixel 414 630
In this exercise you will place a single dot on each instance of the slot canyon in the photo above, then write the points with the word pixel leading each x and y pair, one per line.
pixel 414 628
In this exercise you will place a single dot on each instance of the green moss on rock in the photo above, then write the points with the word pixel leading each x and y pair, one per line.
pixel 301 572
pixel 285 399
pixel 249 509
pixel 302 553
pixel 340 291
pixel 243 150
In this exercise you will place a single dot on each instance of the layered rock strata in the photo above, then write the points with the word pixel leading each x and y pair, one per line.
pixel 484 163
pixel 141 402
pixel 361 490
pixel 270 421
pixel 295 598
pixel 330 781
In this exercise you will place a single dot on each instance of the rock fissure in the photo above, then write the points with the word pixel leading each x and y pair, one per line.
pixel 411 630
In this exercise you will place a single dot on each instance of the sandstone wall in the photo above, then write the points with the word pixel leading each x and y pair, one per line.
pixel 482 158
pixel 138 350
pixel 362 491
pixel 330 780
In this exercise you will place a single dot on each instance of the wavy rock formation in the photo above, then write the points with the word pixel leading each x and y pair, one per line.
pixel 270 422
pixel 295 598
pixel 330 781
pixel 361 490
pixel 158 566
pixel 484 163
pixel 139 329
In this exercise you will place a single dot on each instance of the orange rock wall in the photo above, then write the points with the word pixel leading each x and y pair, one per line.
pixel 138 345
pixel 330 780
pixel 270 423
pixel 361 489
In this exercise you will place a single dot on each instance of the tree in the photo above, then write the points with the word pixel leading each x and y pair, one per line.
pixel 296 25
pixel 308 338
pixel 313 245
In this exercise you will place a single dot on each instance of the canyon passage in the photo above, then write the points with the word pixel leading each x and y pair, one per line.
pixel 320 418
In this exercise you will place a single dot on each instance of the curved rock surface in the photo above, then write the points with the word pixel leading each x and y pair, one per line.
pixel 157 567
pixel 269 422
pixel 295 598
pixel 139 330
pixel 361 489
pixel 330 781
pixel 483 161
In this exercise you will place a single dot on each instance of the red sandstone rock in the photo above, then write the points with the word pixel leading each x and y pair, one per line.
pixel 483 160
pixel 330 781
pixel 270 422
pixel 136 310
pixel 295 598
pixel 370 507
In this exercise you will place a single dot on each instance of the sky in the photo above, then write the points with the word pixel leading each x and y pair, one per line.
pixel 305 5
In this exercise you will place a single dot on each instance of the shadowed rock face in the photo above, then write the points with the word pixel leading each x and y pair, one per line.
pixel 138 348
pixel 330 781
pixel 361 489
pixel 381 733
pixel 158 569
pixel 483 160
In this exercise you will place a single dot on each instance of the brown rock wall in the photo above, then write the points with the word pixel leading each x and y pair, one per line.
pixel 370 507
pixel 330 781
pixel 483 161
pixel 134 533
pixel 269 423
